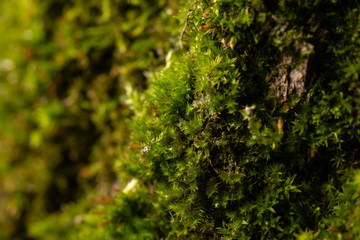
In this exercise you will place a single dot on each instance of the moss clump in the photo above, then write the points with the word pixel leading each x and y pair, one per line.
pixel 248 131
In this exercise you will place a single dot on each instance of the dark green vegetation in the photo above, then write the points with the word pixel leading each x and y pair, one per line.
pixel 180 119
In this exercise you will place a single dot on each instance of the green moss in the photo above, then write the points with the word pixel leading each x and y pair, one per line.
pixel 179 120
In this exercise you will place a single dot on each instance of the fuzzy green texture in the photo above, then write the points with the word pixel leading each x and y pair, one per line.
pixel 228 158
pixel 64 69
pixel 243 118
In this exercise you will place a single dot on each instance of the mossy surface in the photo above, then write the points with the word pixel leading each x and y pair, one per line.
pixel 180 120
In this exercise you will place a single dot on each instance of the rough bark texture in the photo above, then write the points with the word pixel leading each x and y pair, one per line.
pixel 291 74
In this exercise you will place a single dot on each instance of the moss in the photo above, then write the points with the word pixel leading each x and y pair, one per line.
pixel 180 120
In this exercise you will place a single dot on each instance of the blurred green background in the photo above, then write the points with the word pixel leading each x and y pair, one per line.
pixel 67 68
